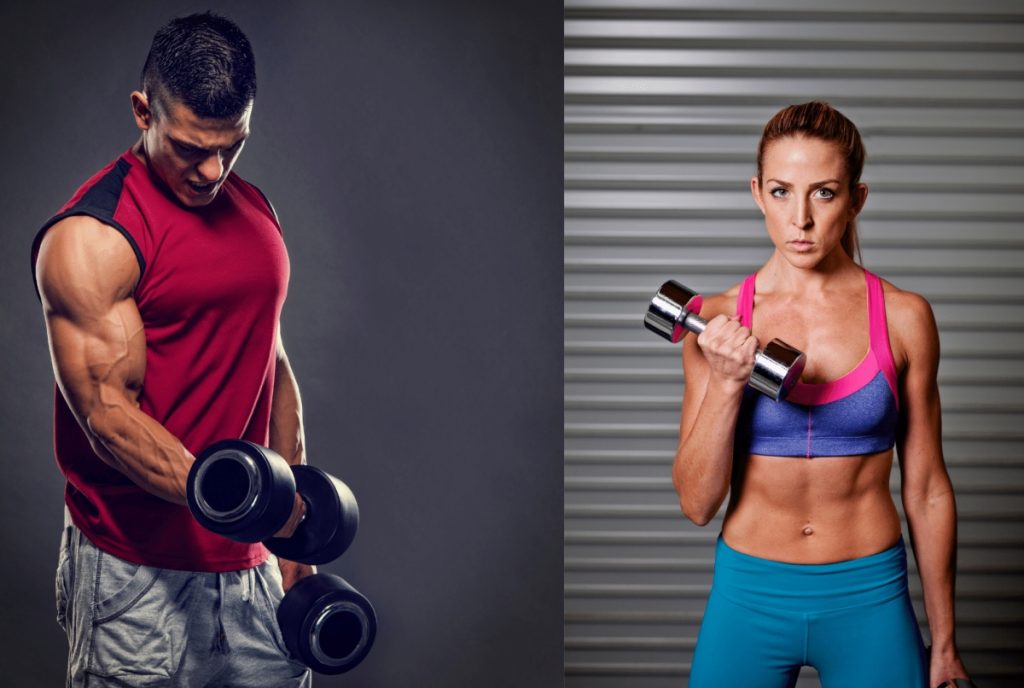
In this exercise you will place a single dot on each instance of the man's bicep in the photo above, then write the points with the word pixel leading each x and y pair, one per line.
pixel 84 266
pixel 86 273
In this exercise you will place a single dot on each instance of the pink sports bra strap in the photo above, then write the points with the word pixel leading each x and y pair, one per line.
pixel 879 332
pixel 745 301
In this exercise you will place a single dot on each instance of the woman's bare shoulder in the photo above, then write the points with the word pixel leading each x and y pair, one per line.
pixel 904 307
pixel 912 327
pixel 718 304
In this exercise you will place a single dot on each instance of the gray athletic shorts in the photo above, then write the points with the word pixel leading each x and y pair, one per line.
pixel 132 625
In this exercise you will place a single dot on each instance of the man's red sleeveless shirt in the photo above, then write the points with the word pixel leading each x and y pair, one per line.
pixel 213 281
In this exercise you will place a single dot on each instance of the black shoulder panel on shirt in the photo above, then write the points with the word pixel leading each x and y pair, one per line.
pixel 269 205
pixel 100 202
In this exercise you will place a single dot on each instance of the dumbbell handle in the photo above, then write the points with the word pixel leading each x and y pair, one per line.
pixel 777 367
pixel 694 323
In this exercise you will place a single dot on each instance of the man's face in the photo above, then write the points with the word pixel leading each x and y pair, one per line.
pixel 191 154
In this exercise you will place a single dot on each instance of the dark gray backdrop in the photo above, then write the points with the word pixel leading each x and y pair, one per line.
pixel 413 152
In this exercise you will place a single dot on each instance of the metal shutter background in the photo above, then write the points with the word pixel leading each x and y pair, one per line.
pixel 663 106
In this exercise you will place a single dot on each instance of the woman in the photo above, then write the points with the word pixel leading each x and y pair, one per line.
pixel 811 566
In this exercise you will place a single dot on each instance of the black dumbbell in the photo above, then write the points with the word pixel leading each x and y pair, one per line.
pixel 327 624
pixel 674 310
pixel 246 492
pixel 958 683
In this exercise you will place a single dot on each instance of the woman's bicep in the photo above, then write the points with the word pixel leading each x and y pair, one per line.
pixel 695 379
pixel 919 438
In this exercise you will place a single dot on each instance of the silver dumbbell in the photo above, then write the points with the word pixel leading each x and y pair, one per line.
pixel 673 312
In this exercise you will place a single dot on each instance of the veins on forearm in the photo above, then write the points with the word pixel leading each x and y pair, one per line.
pixel 131 442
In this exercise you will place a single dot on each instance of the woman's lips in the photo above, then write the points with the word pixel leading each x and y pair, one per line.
pixel 801 246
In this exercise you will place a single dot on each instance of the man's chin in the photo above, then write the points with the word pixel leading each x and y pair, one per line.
pixel 191 199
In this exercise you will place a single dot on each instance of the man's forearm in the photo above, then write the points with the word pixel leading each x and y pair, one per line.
pixel 136 445
pixel 286 433
pixel 287 438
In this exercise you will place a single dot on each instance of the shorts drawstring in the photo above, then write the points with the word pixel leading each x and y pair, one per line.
pixel 248 585
pixel 220 637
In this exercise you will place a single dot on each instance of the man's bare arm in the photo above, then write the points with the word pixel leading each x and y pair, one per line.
pixel 86 273
pixel 288 439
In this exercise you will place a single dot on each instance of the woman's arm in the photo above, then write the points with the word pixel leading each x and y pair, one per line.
pixel 717 365
pixel 927 492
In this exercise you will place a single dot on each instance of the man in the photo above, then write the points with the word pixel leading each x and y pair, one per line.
pixel 162 282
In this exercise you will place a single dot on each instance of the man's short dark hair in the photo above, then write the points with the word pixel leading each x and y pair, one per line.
pixel 203 61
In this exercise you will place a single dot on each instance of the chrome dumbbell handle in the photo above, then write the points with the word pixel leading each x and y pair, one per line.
pixel 673 312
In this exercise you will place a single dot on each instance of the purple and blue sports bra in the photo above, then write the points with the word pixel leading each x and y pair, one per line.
pixel 856 414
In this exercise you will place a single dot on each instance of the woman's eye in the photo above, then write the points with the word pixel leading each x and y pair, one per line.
pixel 826 193
pixel 778 192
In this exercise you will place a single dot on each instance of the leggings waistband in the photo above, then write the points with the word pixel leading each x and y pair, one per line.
pixel 758 582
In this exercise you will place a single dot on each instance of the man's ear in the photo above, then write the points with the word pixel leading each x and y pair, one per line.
pixel 141 110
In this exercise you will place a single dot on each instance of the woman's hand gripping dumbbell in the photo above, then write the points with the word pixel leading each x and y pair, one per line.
pixel 247 493
pixel 673 312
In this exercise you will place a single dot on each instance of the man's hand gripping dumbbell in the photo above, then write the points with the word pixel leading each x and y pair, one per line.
pixel 249 493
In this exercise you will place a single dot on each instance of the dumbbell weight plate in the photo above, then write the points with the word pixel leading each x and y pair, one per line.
pixel 241 490
pixel 669 308
pixel 332 519
pixel 327 624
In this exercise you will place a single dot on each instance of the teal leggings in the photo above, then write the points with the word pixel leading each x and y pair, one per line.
pixel 852 621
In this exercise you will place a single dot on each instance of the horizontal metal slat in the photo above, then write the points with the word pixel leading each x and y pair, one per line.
pixel 664 485
pixel 624 375
pixel 629 643
pixel 632 238
pixel 748 120
pixel 637 591
pixel 674 644
pixel 741 187
pixel 643 294
pixel 632 321
pixel 626 669
pixel 672 403
pixel 634 617
pixel 648 564
pixel 683 618
pixel 683 591
pixel 948 74
pixel 865 10
pixel 671 431
pixel 614 126
pixel 733 211
pixel 687 61
pixel 678 565
pixel 658 511
pixel 664 458
pixel 646 349
pixel 723 267
pixel 646 669
pixel 708 536
pixel 796 29
pixel 769 90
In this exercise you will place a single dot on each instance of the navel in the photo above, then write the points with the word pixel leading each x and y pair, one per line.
pixel 807 531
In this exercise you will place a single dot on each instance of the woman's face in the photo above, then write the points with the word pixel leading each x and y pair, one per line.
pixel 805 196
